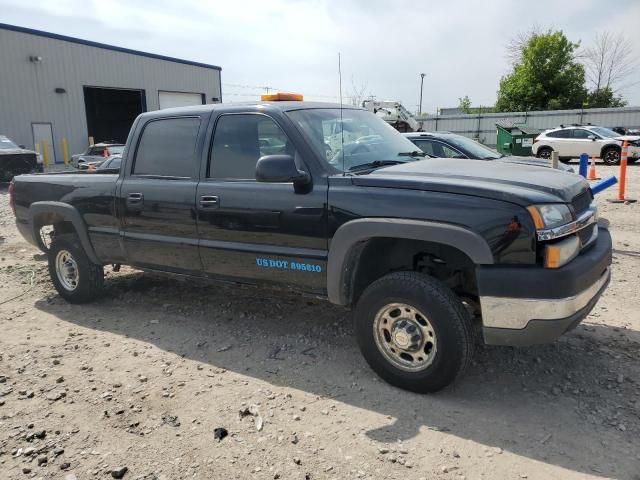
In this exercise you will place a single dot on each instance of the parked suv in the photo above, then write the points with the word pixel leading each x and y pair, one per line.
pixel 572 141
pixel 420 249
pixel 96 153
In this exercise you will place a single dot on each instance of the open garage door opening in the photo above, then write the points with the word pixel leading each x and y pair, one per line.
pixel 111 112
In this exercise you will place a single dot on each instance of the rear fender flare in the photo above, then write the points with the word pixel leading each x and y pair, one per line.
pixel 69 214
pixel 350 238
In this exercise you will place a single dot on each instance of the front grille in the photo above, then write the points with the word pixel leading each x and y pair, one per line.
pixel 581 202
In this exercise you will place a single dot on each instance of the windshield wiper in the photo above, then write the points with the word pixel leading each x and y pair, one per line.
pixel 375 164
pixel 415 153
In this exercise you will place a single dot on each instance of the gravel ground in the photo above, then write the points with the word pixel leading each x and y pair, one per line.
pixel 143 378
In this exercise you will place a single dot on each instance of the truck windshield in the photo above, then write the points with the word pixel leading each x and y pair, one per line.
pixel 354 141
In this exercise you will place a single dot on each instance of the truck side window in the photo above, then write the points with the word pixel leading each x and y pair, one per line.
pixel 240 140
pixel 166 148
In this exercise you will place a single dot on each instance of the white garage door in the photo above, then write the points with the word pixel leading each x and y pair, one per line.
pixel 178 99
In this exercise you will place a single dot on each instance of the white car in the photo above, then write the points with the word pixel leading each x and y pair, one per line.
pixel 96 153
pixel 572 141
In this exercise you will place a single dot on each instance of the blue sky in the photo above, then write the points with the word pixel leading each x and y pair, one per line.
pixel 293 44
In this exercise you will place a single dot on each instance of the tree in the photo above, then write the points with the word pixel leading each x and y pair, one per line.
pixel 464 104
pixel 516 45
pixel 356 94
pixel 609 61
pixel 604 98
pixel 547 76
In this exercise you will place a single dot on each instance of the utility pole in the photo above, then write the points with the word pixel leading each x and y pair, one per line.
pixel 421 85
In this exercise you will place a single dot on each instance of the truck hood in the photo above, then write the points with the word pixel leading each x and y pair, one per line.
pixel 513 182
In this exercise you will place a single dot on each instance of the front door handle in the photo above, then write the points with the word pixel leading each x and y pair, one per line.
pixel 135 198
pixel 209 201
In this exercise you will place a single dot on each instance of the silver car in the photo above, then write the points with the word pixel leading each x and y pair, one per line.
pixel 96 153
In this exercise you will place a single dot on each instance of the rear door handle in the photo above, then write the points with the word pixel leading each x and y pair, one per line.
pixel 135 198
pixel 209 201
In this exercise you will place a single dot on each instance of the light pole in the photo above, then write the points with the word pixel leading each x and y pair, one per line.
pixel 421 85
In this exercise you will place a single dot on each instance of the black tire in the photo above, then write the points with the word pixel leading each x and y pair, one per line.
pixel 611 156
pixel 446 315
pixel 90 277
pixel 544 152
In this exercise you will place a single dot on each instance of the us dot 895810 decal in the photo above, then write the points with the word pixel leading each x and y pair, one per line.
pixel 287 265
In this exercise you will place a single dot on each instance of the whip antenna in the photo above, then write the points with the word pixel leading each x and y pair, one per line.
pixel 341 123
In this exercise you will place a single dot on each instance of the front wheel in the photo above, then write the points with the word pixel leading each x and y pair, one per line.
pixel 414 331
pixel 74 276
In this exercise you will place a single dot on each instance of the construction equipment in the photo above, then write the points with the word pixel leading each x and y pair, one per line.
pixel 395 113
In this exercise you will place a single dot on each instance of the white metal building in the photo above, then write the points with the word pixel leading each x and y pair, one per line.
pixel 54 87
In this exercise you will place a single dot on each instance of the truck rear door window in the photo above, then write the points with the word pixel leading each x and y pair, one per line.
pixel 240 140
pixel 167 148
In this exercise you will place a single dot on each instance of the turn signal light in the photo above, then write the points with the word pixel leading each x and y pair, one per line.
pixel 281 97
pixel 561 253
pixel 536 217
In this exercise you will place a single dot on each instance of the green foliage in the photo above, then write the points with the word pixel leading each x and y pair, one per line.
pixel 546 77
pixel 464 104
pixel 604 98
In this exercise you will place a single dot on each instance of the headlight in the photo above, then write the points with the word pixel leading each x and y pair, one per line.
pixel 550 215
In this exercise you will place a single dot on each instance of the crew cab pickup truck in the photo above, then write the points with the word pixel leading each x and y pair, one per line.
pixel 421 250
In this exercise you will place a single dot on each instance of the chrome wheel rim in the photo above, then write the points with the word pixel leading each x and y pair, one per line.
pixel 67 270
pixel 405 337
pixel 545 153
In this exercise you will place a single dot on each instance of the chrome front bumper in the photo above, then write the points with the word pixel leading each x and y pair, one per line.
pixel 516 313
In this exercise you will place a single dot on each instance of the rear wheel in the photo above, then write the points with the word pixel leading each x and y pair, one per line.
pixel 611 156
pixel 414 331
pixel 74 276
pixel 544 152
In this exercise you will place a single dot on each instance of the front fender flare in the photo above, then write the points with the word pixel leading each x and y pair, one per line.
pixel 69 214
pixel 348 240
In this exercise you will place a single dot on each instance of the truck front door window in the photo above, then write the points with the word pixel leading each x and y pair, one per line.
pixel 240 140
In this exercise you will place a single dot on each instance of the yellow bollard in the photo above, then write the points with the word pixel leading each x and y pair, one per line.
pixel 91 141
pixel 65 152
pixel 45 155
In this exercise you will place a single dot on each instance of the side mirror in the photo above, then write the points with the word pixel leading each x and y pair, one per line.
pixel 280 169
pixel 591 137
pixel 21 146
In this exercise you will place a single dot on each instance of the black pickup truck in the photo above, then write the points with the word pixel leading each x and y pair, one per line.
pixel 421 249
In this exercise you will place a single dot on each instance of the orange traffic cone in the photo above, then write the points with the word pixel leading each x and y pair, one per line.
pixel 592 170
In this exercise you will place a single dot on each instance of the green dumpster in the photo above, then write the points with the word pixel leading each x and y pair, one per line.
pixel 515 139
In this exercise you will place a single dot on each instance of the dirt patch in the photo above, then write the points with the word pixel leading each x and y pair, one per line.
pixel 148 383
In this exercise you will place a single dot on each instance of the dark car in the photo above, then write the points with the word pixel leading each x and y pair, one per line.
pixel 420 249
pixel 451 145
pixel 110 163
pixel 16 160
